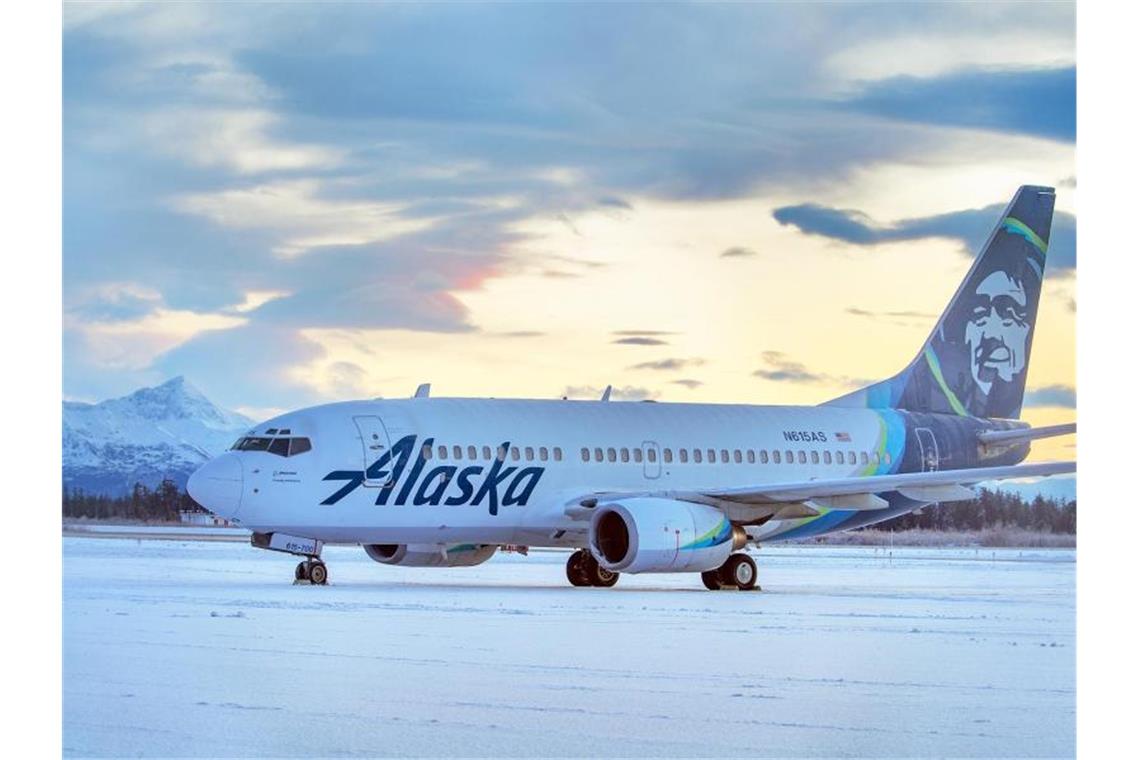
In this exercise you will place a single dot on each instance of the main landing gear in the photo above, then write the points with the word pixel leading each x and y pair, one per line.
pixel 738 571
pixel 313 571
pixel 583 570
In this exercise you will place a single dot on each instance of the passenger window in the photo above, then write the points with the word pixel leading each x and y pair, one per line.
pixel 472 454
pixel 802 457
pixel 501 453
pixel 427 451
pixel 585 454
pixel 624 454
pixel 827 457
pixel 712 456
pixel 299 446
pixel 850 457
pixel 776 456
pixel 697 456
pixel 875 458
pixel 863 459
pixel 651 455
pixel 763 456
pixel 557 454
pixel 542 453
pixel 668 455
pixel 815 457
pixel 279 446
pixel 515 453
pixel 597 455
pixel 736 456
pixel 839 457
pixel 788 457
pixel 443 452
pixel 486 452
pixel 886 457
pixel 684 454
pixel 751 457
pixel 529 453
pixel 637 455
pixel 611 455
pixel 456 452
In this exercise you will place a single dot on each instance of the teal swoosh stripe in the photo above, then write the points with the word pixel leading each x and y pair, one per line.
pixel 1018 227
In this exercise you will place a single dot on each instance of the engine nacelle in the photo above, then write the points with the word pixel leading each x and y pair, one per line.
pixel 655 535
pixel 430 555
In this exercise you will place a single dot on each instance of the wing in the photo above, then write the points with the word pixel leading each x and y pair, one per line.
pixel 802 498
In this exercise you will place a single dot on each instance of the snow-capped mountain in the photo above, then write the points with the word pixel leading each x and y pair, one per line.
pixel 154 433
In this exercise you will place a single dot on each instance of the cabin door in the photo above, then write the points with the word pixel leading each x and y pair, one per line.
pixel 927 449
pixel 374 443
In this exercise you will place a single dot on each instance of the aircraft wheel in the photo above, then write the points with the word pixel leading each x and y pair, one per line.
pixel 301 573
pixel 318 573
pixel 576 568
pixel 598 575
pixel 742 570
pixel 711 579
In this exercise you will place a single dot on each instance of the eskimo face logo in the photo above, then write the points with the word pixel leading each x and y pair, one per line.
pixel 997 331
pixel 446 484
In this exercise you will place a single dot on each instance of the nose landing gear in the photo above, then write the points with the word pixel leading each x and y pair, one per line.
pixel 313 571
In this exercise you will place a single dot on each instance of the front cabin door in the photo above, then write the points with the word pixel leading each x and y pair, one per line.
pixel 374 443
pixel 927 449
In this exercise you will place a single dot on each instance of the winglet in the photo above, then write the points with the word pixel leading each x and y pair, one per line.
pixel 606 393
pixel 423 391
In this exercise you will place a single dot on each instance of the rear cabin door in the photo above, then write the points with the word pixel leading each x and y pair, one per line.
pixel 374 444
pixel 927 449
pixel 652 459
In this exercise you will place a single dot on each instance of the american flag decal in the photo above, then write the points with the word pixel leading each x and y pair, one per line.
pixel 843 437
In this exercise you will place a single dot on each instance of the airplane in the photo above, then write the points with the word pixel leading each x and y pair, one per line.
pixel 646 487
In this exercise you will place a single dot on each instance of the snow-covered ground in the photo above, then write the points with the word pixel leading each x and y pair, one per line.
pixel 184 648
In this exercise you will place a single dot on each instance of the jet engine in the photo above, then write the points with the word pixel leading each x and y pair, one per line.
pixel 430 555
pixel 656 535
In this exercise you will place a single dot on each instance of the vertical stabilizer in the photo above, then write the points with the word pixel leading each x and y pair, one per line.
pixel 975 361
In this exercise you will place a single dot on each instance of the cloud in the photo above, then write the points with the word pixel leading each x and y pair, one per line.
pixel 688 383
pixel 669 365
pixel 624 393
pixel 1064 396
pixel 1037 102
pixel 781 369
pixel 969 227
pixel 641 341
pixel 737 252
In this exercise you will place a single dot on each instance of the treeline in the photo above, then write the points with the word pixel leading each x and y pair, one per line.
pixel 992 509
pixel 141 504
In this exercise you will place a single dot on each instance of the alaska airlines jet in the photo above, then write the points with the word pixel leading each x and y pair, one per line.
pixel 654 487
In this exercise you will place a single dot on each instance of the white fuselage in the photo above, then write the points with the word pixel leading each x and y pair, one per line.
pixel 551 460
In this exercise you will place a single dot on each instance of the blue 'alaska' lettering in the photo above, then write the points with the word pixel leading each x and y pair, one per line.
pixel 432 490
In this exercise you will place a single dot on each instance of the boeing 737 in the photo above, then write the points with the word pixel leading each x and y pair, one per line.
pixel 644 487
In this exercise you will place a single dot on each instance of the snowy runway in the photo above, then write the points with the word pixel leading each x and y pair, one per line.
pixel 187 648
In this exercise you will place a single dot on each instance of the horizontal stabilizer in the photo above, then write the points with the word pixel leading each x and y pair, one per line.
pixel 1005 437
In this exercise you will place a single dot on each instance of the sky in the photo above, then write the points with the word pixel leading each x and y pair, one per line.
pixel 291 204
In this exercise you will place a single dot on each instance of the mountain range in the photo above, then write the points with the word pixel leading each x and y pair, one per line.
pixel 166 431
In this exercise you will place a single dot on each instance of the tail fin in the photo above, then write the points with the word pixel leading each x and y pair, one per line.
pixel 975 361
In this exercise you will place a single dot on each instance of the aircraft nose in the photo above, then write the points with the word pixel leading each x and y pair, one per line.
pixel 217 485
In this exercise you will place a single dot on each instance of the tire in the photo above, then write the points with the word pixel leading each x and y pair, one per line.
pixel 711 579
pixel 301 572
pixel 742 570
pixel 576 570
pixel 598 575
pixel 319 574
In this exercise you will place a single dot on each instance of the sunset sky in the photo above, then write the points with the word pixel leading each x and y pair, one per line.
pixel 291 204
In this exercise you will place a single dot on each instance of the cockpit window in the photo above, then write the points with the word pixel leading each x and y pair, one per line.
pixel 282 447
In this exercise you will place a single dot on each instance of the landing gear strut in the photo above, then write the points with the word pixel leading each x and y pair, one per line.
pixel 738 571
pixel 583 570
pixel 313 571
